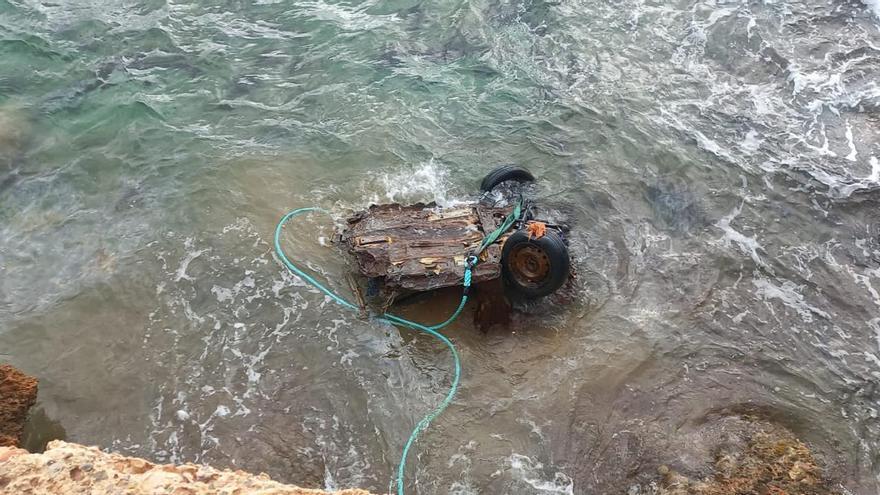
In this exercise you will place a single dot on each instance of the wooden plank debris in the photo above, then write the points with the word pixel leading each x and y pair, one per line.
pixel 423 247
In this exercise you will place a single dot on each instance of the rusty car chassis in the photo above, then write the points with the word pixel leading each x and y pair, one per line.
pixel 404 249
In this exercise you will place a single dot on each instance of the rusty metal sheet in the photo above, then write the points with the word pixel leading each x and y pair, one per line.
pixel 422 247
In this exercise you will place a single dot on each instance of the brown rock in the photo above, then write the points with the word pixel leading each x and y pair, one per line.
pixel 9 452
pixel 18 392
pixel 159 481
pixel 71 468
pixel 772 461
pixel 138 466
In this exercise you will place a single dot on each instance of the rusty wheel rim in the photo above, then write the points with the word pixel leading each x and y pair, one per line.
pixel 529 265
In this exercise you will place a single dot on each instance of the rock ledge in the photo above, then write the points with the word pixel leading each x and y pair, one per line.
pixel 70 468
pixel 18 392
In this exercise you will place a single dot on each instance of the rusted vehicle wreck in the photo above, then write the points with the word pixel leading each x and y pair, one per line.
pixel 402 250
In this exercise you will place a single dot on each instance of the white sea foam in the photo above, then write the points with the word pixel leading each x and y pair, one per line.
pixel 752 141
pixel 746 244
pixel 789 295
pixel 346 17
pixel 853 153
pixel 845 189
pixel 864 279
pixel 874 5
pixel 428 181
pixel 875 325
pixel 191 254
pixel 532 472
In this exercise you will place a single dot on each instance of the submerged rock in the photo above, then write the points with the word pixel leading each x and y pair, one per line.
pixel 18 392
pixel 676 206
pixel 72 468
pixel 14 129
pixel 772 461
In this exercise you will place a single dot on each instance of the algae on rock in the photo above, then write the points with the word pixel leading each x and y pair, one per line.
pixel 773 462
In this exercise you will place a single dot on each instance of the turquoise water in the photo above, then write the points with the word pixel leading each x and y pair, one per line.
pixel 717 159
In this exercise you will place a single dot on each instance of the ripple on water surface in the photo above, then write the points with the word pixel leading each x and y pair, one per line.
pixel 718 162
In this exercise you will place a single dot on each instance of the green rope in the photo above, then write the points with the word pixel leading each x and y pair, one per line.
pixel 507 224
pixel 393 319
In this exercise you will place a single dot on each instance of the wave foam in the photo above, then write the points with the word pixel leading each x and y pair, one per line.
pixel 428 182
pixel 874 5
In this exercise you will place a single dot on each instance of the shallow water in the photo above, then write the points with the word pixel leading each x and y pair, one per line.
pixel 720 163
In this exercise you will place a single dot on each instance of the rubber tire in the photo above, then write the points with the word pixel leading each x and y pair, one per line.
pixel 555 249
pixel 504 174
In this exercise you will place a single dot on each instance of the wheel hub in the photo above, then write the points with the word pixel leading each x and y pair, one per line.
pixel 529 265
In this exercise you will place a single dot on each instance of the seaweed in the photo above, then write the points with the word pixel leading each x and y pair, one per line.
pixel 773 462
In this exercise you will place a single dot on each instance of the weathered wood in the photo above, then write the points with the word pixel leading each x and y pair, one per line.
pixel 359 296
pixel 423 247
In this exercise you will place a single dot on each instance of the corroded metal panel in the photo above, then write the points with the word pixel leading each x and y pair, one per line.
pixel 423 247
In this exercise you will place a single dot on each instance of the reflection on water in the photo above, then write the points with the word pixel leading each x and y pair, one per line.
pixel 718 162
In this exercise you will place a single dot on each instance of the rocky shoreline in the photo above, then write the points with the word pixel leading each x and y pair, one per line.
pixel 70 468
pixel 757 457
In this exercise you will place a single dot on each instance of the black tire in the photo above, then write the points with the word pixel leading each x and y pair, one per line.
pixel 504 174
pixel 535 267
